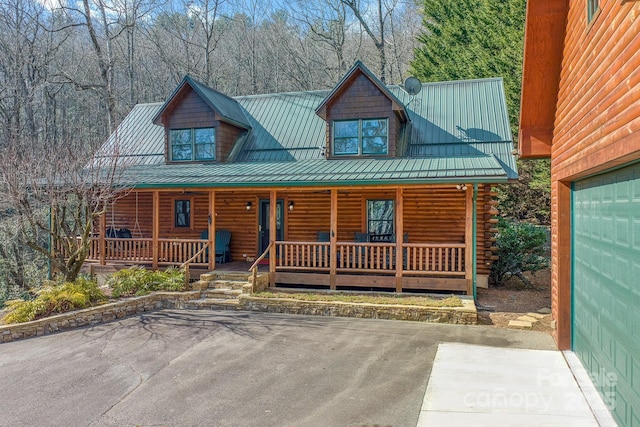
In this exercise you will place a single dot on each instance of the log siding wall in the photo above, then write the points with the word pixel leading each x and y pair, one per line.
pixel 433 215
pixel 597 123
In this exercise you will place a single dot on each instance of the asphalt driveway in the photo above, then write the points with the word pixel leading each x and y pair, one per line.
pixel 177 367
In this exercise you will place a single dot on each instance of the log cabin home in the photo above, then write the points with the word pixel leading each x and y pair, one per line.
pixel 363 186
pixel 581 108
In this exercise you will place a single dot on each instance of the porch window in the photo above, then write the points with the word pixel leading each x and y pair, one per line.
pixel 360 137
pixel 182 214
pixel 193 144
pixel 380 218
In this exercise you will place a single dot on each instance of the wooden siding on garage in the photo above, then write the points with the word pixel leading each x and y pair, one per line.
pixel 597 123
pixel 598 112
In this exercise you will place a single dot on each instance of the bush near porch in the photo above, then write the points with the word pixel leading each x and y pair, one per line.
pixel 62 297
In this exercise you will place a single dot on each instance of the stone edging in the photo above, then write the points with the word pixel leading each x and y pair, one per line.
pixel 95 315
pixel 465 315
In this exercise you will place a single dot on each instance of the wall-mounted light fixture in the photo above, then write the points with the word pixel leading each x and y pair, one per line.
pixel 462 187
pixel 249 206
pixel 291 204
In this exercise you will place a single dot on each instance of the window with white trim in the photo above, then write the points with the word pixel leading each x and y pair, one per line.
pixel 369 137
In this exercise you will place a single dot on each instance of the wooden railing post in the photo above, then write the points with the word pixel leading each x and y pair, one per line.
pixel 399 237
pixel 156 228
pixel 333 239
pixel 468 240
pixel 212 230
pixel 103 245
pixel 273 206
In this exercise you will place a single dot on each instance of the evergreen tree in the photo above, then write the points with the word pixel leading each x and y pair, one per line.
pixel 468 39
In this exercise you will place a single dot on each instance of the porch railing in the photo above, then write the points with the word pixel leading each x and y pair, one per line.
pixel 447 258
pixel 303 255
pixel 418 258
pixel 175 251
pixel 170 251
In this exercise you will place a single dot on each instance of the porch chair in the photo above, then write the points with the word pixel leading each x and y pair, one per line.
pixel 223 248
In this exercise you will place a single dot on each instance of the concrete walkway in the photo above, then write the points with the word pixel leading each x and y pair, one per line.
pixel 506 387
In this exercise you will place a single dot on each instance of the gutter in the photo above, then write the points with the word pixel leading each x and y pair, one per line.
pixel 475 181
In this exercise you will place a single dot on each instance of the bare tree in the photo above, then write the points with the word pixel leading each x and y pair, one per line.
pixel 375 27
pixel 57 201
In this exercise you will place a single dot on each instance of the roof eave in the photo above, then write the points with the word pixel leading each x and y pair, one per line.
pixel 545 28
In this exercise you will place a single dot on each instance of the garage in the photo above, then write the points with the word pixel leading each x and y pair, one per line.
pixel 606 286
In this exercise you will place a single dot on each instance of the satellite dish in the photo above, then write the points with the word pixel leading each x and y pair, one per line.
pixel 412 85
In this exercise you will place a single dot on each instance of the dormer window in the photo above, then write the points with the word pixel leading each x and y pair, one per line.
pixel 193 144
pixel 369 137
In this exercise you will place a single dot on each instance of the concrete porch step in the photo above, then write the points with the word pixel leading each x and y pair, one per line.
pixel 212 304
pixel 221 293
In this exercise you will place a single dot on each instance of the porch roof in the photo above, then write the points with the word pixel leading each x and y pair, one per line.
pixel 316 172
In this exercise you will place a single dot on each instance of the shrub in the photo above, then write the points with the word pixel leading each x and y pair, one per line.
pixel 521 247
pixel 140 281
pixel 54 298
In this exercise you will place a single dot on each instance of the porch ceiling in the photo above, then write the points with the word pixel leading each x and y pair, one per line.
pixel 481 168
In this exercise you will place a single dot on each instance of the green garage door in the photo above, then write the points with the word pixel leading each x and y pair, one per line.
pixel 606 287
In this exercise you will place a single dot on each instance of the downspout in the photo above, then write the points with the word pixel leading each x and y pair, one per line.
pixel 474 248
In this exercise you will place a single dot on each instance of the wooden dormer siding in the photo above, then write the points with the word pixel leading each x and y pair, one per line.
pixel 189 110
pixel 361 99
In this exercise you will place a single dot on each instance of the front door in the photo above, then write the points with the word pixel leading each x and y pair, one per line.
pixel 264 223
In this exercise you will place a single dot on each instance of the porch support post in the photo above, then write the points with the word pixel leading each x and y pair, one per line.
pixel 333 237
pixel 273 206
pixel 156 228
pixel 399 237
pixel 212 230
pixel 468 240
pixel 101 241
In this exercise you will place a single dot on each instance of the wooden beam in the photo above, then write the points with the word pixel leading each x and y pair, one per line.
pixel 273 206
pixel 434 283
pixel 156 227
pixel 399 237
pixel 333 238
pixel 102 242
pixel 212 230
pixel 468 239
pixel 316 279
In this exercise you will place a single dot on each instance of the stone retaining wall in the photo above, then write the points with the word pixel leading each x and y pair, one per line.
pixel 465 315
pixel 95 315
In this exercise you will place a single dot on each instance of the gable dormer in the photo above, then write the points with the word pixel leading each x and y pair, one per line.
pixel 363 117
pixel 200 123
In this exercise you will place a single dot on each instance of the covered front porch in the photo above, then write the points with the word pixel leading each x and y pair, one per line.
pixel 400 238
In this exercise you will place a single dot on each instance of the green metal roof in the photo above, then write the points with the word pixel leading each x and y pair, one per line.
pixel 318 172
pixel 458 131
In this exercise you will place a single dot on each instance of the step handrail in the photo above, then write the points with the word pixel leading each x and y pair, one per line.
pixel 254 267
pixel 186 264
